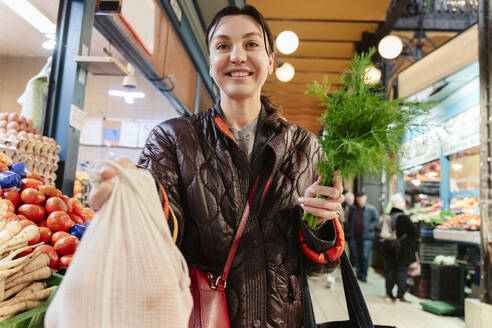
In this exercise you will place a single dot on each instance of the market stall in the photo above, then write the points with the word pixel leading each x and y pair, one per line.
pixel 440 164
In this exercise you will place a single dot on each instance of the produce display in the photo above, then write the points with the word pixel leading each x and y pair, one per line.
pixel 468 222
pixel 77 186
pixel 21 269
pixel 21 143
pixel 60 220
pixel 469 205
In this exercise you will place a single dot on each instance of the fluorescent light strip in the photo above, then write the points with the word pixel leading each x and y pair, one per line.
pixel 32 15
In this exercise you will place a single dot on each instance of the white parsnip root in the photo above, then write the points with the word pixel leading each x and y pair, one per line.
pixel 20 289
pixel 26 235
pixel 43 273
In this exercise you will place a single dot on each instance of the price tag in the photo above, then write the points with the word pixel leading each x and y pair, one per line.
pixel 77 117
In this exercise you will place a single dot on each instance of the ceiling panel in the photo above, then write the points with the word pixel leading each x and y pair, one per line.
pixel 309 78
pixel 316 65
pixel 365 10
pixel 342 50
pixel 323 31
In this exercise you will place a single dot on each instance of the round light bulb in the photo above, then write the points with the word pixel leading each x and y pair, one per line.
pixel 285 73
pixel 372 75
pixel 390 47
pixel 287 42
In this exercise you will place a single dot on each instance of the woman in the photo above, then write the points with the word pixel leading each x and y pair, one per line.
pixel 399 251
pixel 208 162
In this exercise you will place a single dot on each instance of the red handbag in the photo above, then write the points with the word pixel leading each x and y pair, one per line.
pixel 208 290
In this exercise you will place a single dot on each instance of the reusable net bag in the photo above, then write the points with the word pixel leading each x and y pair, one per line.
pixel 127 271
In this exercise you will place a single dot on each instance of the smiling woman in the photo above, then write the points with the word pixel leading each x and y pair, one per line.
pixel 240 167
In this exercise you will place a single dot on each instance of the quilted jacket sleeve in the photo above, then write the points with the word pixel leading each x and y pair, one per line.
pixel 159 156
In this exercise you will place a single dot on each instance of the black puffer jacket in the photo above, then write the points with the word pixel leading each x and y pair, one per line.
pixel 207 178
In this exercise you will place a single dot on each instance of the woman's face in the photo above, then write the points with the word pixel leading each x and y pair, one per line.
pixel 239 62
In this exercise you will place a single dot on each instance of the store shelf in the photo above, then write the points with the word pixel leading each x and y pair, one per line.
pixel 465 193
pixel 471 237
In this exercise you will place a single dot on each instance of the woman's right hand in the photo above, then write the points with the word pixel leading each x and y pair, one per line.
pixel 100 194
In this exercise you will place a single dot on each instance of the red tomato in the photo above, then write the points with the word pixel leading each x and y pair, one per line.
pixel 31 183
pixel 76 218
pixel 9 216
pixel 35 240
pixel 35 213
pixel 59 221
pixel 13 196
pixel 55 204
pixel 24 253
pixel 32 196
pixel 66 245
pixel 58 235
pixel 44 234
pixel 64 261
pixel 50 191
pixel 77 207
pixel 26 222
pixel 67 201
pixel 47 249
pixel 90 213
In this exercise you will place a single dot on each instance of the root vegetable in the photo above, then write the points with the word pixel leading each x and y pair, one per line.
pixel 4 265
pixel 38 262
pixel 34 287
pixel 16 250
pixel 3 223
pixel 39 295
pixel 43 273
pixel 26 235
pixel 2 287
pixel 14 290
pixel 19 307
pixel 10 230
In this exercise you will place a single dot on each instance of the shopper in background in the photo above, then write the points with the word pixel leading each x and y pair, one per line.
pixel 363 220
pixel 400 250
pixel 207 164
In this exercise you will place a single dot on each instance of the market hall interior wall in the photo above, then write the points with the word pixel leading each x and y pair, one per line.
pixel 15 72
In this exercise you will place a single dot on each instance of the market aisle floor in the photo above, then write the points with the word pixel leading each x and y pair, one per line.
pixel 329 305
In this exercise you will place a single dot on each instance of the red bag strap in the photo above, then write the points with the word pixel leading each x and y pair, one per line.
pixel 240 230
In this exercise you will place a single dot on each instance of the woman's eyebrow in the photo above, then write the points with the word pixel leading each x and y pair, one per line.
pixel 247 35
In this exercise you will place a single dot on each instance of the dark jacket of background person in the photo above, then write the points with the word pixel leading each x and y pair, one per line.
pixel 370 220
pixel 403 226
pixel 207 178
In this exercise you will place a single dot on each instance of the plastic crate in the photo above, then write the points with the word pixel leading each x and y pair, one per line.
pixel 33 318
pixel 420 287
pixel 428 251
pixel 446 283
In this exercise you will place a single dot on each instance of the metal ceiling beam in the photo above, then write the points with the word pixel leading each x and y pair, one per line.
pixel 445 23
pixel 372 39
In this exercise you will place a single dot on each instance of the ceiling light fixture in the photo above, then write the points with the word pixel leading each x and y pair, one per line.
pixel 287 42
pixel 285 72
pixel 457 166
pixel 129 96
pixel 32 15
pixel 390 47
pixel 50 43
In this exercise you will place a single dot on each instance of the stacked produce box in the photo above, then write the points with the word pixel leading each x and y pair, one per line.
pixel 21 143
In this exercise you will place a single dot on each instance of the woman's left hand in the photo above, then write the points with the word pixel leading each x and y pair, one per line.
pixel 324 208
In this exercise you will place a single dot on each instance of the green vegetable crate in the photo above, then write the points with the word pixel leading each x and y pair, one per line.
pixel 33 318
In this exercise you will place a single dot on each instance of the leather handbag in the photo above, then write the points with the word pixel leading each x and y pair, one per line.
pixel 359 316
pixel 208 290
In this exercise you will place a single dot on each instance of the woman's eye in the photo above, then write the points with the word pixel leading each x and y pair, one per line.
pixel 222 46
pixel 252 44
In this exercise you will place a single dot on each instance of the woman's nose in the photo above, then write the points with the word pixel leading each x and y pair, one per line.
pixel 238 55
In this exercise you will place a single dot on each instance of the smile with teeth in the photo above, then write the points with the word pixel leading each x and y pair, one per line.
pixel 240 74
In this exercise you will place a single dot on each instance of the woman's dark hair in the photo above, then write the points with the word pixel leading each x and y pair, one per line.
pixel 273 120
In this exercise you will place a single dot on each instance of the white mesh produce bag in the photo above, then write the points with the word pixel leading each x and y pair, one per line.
pixel 127 271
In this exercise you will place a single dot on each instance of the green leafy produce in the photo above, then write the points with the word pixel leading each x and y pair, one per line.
pixel 362 130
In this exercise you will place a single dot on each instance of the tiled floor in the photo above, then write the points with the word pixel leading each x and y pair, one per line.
pixel 329 305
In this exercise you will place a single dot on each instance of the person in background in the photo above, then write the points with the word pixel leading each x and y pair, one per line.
pixel 400 252
pixel 346 205
pixel 363 220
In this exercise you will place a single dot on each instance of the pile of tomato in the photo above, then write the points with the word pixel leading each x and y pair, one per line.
pixel 55 215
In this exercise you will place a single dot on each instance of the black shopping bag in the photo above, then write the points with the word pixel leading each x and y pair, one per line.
pixel 359 316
